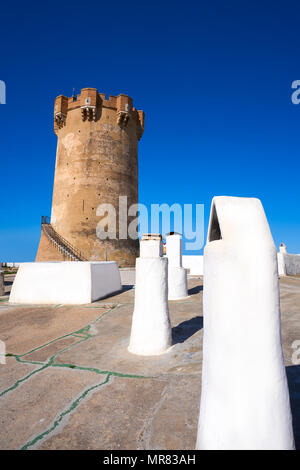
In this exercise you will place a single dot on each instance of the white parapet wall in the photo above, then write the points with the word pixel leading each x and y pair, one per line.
pixel 194 263
pixel 67 282
pixel 10 265
pixel 288 264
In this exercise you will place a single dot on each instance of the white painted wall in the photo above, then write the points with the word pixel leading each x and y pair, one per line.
pixel 288 264
pixel 194 263
pixel 105 279
pixel 11 265
pixel 67 282
pixel 245 399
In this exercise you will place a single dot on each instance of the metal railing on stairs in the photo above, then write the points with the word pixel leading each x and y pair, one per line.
pixel 60 242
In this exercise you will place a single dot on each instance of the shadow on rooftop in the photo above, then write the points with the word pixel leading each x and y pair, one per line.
pixel 293 377
pixel 186 329
pixel 195 290
pixel 126 287
pixel 118 292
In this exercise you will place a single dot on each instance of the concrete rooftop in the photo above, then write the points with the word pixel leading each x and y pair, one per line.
pixel 69 382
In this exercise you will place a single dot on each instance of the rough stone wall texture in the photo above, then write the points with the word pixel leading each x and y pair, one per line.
pixel 48 252
pixel 96 162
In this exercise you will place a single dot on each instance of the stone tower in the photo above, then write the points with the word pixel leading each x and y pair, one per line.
pixel 96 162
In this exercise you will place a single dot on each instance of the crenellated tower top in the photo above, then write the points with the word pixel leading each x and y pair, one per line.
pixel 91 102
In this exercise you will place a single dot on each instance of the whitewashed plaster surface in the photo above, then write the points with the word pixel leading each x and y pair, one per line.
pixel 66 282
pixel 245 399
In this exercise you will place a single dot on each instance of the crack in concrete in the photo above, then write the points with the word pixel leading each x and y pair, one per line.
pixel 143 442
pixel 84 335
pixel 63 414
pixel 23 379
pixel 82 331
pixel 102 372
pixel 76 402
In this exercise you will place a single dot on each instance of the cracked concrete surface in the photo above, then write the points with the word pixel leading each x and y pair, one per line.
pixel 70 383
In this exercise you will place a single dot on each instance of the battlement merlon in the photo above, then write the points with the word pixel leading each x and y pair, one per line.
pixel 90 101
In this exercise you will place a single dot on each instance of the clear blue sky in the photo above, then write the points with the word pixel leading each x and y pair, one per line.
pixel 213 77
